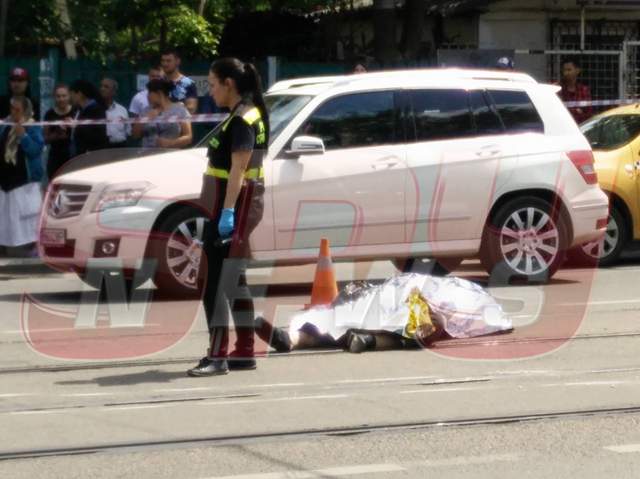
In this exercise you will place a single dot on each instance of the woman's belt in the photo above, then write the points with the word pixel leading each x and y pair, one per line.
pixel 250 174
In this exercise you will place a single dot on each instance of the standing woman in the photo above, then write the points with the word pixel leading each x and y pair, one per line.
pixel 21 171
pixel 233 192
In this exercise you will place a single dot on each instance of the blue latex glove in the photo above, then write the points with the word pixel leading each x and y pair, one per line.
pixel 226 223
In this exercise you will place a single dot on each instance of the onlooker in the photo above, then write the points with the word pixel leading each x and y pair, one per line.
pixel 184 88
pixel 140 102
pixel 359 67
pixel 116 132
pixel 86 99
pixel 59 137
pixel 21 171
pixel 573 90
pixel 162 133
pixel 18 87
pixel 505 63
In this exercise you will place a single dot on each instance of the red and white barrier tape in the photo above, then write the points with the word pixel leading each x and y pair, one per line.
pixel 199 118
pixel 580 104
pixel 218 117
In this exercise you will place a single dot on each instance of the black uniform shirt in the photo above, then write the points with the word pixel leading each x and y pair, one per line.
pixel 244 130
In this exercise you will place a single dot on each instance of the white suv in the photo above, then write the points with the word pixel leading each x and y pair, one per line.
pixel 406 165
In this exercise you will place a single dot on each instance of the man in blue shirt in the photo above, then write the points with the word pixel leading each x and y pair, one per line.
pixel 184 88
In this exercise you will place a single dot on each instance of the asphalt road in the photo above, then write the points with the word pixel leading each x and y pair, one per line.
pixel 559 397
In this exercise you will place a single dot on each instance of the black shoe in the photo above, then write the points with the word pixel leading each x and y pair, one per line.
pixel 209 367
pixel 241 362
pixel 281 341
pixel 358 343
pixel 277 338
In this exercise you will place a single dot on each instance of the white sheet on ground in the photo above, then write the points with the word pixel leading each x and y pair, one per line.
pixel 464 309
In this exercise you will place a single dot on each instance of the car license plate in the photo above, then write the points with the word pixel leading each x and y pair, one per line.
pixel 50 237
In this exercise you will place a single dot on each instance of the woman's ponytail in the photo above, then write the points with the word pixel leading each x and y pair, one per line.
pixel 254 86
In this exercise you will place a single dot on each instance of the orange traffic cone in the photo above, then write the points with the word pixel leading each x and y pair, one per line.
pixel 325 287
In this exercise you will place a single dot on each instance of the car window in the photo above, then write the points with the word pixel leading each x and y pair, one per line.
pixel 487 121
pixel 516 111
pixel 356 120
pixel 441 114
pixel 611 132
pixel 282 109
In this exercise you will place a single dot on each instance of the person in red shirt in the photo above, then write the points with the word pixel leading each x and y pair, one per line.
pixel 573 90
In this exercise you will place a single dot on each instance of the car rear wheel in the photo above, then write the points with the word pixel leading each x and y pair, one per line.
pixel 525 240
pixel 177 249
pixel 606 251
pixel 434 267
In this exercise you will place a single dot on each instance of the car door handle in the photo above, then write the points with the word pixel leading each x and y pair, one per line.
pixel 488 151
pixel 385 163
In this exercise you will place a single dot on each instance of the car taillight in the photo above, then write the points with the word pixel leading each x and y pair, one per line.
pixel 584 162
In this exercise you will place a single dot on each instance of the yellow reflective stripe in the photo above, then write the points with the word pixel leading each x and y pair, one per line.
pixel 252 116
pixel 252 174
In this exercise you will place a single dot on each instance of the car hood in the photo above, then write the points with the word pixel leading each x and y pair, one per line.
pixel 165 169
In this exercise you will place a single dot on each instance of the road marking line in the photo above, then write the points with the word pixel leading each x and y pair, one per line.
pixel 178 390
pixel 15 395
pixel 624 449
pixel 465 461
pixel 44 411
pixel 81 395
pixel 378 380
pixel 127 408
pixel 602 303
pixel 425 391
pixel 255 401
pixel 321 473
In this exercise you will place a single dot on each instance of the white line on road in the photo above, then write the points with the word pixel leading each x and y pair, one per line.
pixel 130 408
pixel 82 395
pixel 15 395
pixel 331 472
pixel 254 401
pixel 380 380
pixel 465 461
pixel 602 303
pixel 624 449
pixel 39 411
pixel 441 390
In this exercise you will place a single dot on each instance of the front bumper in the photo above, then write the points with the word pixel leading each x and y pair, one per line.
pixel 130 227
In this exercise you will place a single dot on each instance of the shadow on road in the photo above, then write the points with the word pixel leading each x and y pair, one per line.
pixel 147 377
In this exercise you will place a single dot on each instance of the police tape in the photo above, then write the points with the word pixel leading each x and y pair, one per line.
pixel 585 103
pixel 219 117
pixel 198 118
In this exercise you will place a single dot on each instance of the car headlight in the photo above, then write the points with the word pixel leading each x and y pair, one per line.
pixel 122 195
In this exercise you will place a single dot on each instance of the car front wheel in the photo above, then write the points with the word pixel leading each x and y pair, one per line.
pixel 177 249
pixel 524 240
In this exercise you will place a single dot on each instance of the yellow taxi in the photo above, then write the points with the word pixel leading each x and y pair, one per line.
pixel 615 139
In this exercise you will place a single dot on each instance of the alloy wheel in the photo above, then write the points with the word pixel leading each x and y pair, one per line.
pixel 529 241
pixel 184 251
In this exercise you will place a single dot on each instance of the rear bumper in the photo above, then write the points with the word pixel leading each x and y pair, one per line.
pixel 586 210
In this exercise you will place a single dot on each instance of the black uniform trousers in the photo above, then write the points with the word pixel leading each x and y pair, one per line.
pixel 226 291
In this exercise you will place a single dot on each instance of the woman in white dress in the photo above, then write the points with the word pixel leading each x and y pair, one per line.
pixel 21 172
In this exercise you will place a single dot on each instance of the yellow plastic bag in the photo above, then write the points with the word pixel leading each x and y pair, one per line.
pixel 420 326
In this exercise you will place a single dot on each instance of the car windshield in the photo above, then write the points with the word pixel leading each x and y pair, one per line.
pixel 282 109
pixel 611 132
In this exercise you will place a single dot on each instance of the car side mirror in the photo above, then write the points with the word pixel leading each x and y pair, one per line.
pixel 306 145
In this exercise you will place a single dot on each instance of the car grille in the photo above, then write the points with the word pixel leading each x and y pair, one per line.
pixel 67 200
